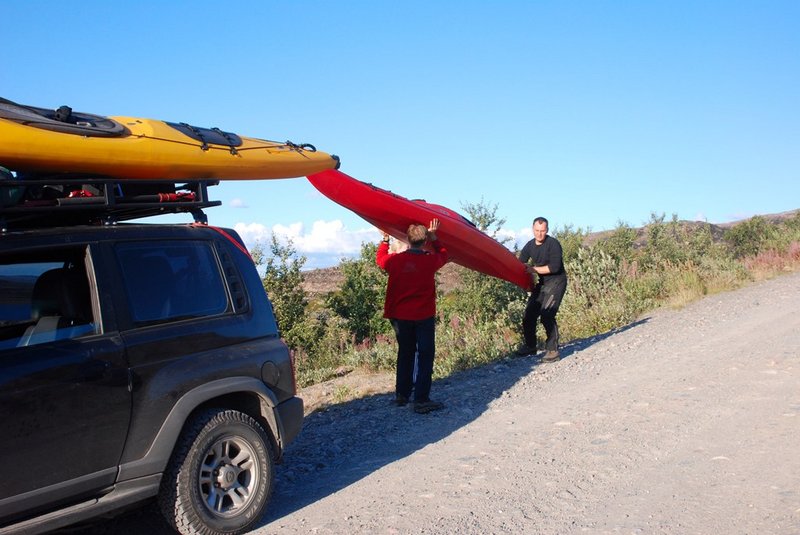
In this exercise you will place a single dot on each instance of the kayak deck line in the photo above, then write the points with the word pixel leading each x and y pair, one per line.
pixel 37 140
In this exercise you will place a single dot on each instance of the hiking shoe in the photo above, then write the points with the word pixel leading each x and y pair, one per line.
pixel 400 401
pixel 525 349
pixel 551 356
pixel 424 407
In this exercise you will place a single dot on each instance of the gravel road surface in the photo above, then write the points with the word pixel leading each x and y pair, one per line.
pixel 685 422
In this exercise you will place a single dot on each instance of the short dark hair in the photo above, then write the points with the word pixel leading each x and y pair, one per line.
pixel 541 220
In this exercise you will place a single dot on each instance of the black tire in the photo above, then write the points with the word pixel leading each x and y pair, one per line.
pixel 220 477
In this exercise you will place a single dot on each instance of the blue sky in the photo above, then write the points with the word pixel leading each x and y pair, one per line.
pixel 589 113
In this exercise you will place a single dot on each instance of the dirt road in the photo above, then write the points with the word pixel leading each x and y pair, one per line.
pixel 686 422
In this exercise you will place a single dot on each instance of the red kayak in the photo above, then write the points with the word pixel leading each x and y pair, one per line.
pixel 465 244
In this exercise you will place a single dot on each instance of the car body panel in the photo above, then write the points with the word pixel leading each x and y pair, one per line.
pixel 98 413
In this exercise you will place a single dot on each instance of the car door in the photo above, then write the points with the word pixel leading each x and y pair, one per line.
pixel 64 395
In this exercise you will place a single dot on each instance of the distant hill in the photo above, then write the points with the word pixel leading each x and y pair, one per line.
pixel 717 229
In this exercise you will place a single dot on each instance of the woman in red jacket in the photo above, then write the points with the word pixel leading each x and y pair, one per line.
pixel 411 308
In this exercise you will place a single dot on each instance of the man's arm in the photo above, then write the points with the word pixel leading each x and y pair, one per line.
pixel 524 255
pixel 555 260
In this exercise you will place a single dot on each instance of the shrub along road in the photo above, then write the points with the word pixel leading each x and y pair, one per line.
pixel 684 422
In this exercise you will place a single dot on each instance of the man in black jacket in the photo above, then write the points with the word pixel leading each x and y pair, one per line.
pixel 547 263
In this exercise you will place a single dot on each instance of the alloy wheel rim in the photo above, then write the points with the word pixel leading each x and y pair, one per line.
pixel 229 476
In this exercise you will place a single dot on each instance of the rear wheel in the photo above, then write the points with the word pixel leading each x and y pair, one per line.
pixel 220 476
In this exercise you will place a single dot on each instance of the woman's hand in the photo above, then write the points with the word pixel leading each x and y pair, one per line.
pixel 432 228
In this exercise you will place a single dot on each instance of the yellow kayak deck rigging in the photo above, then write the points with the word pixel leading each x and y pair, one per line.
pixel 38 140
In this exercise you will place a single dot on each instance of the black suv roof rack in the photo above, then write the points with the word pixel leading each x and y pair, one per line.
pixel 65 201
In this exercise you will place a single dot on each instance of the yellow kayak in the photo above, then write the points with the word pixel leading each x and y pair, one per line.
pixel 38 140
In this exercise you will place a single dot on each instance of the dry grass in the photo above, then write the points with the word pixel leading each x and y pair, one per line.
pixel 769 264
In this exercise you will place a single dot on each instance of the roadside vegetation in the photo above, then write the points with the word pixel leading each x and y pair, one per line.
pixel 614 277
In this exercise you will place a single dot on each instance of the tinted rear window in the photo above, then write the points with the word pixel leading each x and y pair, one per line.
pixel 171 281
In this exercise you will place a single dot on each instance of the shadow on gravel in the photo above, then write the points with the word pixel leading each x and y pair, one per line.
pixel 344 443
pixel 584 343
pixel 347 442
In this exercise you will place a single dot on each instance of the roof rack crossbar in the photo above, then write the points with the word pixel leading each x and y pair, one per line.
pixel 73 200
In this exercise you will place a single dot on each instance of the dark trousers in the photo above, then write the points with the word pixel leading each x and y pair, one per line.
pixel 543 303
pixel 415 340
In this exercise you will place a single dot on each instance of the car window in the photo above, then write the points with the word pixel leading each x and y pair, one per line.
pixel 44 298
pixel 167 281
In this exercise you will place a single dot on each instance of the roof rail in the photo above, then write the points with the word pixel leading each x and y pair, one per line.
pixel 80 200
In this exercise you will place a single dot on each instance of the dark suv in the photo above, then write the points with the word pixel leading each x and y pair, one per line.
pixel 136 360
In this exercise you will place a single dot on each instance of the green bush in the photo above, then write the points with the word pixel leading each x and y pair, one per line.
pixel 484 217
pixel 359 301
pixel 642 291
pixel 663 243
pixel 594 301
pixel 593 274
pixel 785 234
pixel 466 343
pixel 571 241
pixel 373 355
pixel 750 237
pixel 720 271
pixel 326 342
pixel 620 245
pixel 283 283
pixel 480 298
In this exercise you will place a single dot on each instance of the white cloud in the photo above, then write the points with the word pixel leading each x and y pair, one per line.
pixel 511 237
pixel 237 203
pixel 252 233
pixel 514 238
pixel 327 242
pixel 326 237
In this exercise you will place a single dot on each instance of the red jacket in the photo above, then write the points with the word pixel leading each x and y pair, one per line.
pixel 411 291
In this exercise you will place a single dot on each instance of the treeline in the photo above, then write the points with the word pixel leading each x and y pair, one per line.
pixel 613 279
